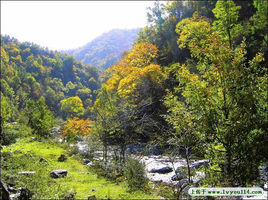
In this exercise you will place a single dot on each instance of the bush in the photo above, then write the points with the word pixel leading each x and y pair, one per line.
pixel 135 174
pixel 108 169
pixel 8 138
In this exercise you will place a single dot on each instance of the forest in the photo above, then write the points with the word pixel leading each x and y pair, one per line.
pixel 192 87
pixel 106 49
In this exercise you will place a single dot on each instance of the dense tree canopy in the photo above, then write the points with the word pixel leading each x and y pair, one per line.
pixel 40 117
pixel 30 72
pixel 197 75
pixel 72 106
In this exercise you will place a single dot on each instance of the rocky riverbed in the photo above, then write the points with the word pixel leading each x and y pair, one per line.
pixel 159 168
pixel 162 169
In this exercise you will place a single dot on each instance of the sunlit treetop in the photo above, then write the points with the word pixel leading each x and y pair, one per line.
pixel 134 69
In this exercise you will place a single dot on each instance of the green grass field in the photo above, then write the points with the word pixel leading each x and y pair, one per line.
pixel 25 155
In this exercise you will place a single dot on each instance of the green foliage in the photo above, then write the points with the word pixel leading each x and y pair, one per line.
pixel 259 28
pixel 220 99
pixel 8 138
pixel 72 107
pixel 211 97
pixel 227 24
pixel 135 173
pixel 40 117
pixel 5 110
pixel 29 72
pixel 162 21
pixel 84 93
pixel 26 156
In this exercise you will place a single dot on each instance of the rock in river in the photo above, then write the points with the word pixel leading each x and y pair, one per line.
pixel 178 176
pixel 162 170
pixel 86 161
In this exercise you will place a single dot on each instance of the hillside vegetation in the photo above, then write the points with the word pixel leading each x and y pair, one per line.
pixel 41 156
pixel 192 87
pixel 30 72
pixel 107 49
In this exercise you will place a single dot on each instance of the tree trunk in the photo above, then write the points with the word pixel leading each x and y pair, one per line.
pixel 105 153
pixel 188 163
pixel 229 163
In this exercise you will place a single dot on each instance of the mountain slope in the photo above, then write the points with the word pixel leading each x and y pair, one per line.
pixel 106 49
pixel 30 72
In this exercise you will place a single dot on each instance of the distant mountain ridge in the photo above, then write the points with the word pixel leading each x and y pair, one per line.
pixel 106 49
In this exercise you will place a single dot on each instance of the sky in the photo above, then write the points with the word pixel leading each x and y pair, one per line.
pixel 62 25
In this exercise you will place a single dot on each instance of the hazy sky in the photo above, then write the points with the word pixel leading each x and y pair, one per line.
pixel 69 24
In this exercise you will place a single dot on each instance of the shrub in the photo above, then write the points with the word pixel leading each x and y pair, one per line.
pixel 8 138
pixel 135 174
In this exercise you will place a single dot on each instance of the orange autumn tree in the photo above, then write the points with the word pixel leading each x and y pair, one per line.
pixel 130 77
pixel 76 127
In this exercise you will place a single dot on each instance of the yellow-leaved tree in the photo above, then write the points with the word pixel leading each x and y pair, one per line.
pixel 76 127
pixel 135 76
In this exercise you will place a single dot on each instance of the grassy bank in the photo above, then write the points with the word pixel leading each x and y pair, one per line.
pixel 25 155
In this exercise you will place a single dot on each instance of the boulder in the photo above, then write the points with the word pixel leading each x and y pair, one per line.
pixel 4 191
pixel 58 173
pixel 62 158
pixel 55 132
pixel 263 173
pixel 11 189
pixel 178 176
pixel 264 176
pixel 198 164
pixel 22 194
pixel 98 158
pixel 162 170
pixel 56 129
pixel 193 166
pixel 90 164
pixel 86 161
pixel 263 168
pixel 43 160
pixel 11 180
pixel 182 183
pixel 69 196
pixel 25 193
pixel 91 197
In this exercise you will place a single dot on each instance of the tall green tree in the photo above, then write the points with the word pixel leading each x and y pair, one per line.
pixel 72 107
pixel 226 95
pixel 226 23
pixel 40 117
pixel 5 110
